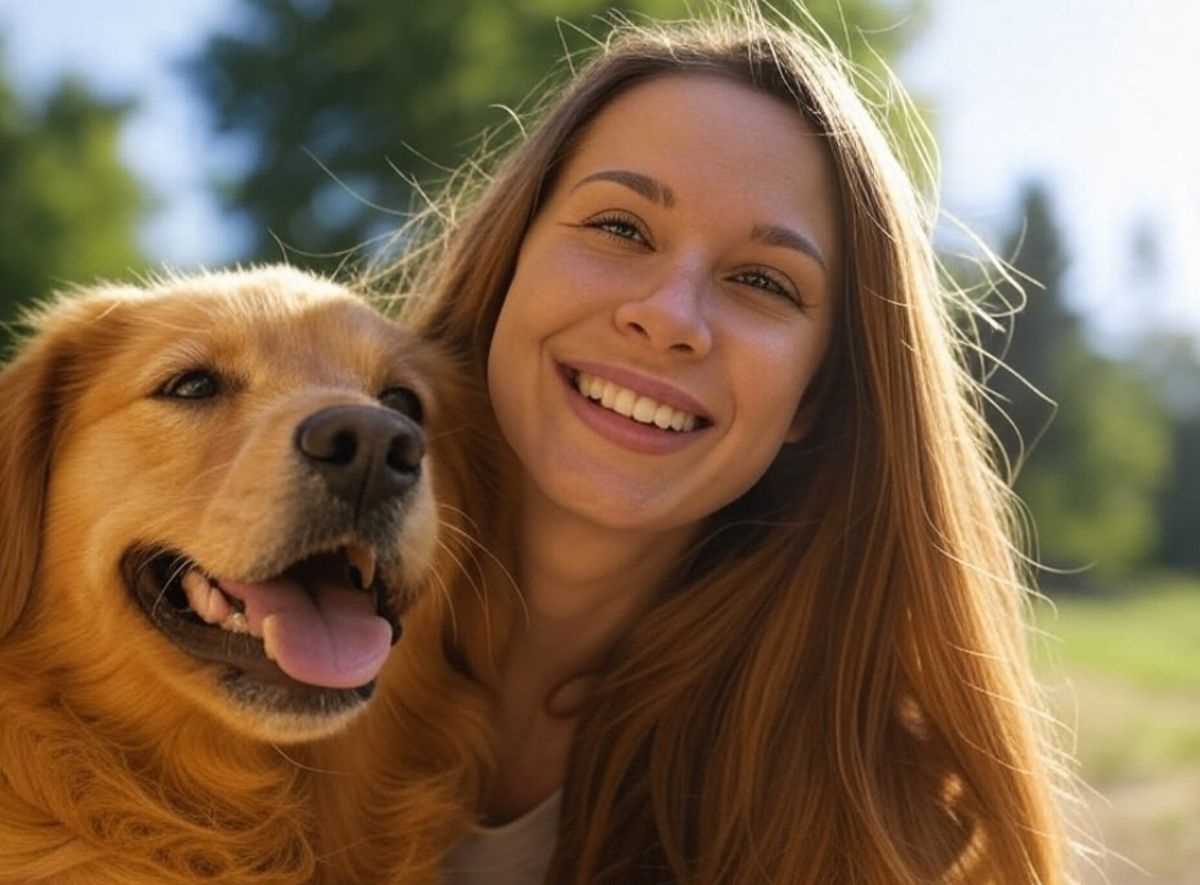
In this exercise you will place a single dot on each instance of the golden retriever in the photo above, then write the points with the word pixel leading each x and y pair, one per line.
pixel 217 506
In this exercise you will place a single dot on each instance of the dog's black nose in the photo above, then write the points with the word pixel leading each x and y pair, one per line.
pixel 366 455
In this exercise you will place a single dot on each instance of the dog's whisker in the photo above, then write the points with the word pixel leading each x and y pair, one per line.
pixel 162 594
pixel 474 545
pixel 212 469
pixel 300 766
pixel 460 555
pixel 141 561
pixel 144 561
pixel 179 568
pixel 205 496
pixel 469 523
pixel 443 588
pixel 476 588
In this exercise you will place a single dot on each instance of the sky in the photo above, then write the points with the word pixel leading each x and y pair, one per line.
pixel 1094 97
pixel 1097 98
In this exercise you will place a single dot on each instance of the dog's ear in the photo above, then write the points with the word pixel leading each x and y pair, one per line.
pixel 33 390
pixel 28 416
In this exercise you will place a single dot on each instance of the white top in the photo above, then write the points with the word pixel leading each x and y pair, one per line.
pixel 515 853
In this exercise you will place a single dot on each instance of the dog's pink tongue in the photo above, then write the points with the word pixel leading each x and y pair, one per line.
pixel 326 634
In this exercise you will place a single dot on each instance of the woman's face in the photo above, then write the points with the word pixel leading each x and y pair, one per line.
pixel 672 301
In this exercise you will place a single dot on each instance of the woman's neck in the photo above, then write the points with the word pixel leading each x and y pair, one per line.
pixel 582 585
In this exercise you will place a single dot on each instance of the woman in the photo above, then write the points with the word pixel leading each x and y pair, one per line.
pixel 771 614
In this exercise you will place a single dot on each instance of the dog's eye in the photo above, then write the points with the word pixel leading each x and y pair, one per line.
pixel 405 401
pixel 192 384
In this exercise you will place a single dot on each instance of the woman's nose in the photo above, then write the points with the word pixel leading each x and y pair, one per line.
pixel 670 317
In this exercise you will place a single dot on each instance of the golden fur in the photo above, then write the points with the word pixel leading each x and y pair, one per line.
pixel 123 759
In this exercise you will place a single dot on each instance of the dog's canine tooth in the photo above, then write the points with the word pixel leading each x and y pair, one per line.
pixel 362 561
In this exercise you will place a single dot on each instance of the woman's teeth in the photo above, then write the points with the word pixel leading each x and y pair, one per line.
pixel 633 405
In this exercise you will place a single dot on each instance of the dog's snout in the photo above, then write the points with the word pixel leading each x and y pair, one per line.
pixel 365 454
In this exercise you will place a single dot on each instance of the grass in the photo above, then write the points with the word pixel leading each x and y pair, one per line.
pixel 1124 672
pixel 1148 637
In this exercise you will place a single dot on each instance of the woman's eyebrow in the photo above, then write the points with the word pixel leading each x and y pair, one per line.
pixel 788 238
pixel 648 187
pixel 657 192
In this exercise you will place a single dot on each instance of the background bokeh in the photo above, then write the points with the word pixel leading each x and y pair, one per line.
pixel 199 132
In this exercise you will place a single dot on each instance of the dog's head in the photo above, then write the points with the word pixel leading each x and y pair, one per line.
pixel 220 483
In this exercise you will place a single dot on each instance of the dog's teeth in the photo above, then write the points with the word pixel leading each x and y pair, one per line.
pixel 235 622
pixel 204 599
pixel 362 565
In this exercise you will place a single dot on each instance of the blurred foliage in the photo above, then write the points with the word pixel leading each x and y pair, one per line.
pixel 1172 361
pixel 326 96
pixel 71 209
pixel 1090 435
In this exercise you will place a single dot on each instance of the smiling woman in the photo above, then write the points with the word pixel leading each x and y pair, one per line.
pixel 644 272
pixel 770 624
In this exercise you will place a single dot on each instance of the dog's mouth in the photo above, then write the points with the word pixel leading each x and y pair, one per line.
pixel 325 622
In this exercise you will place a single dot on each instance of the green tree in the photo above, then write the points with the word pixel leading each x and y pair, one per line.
pixel 1172 361
pixel 1095 435
pixel 1179 503
pixel 71 209
pixel 354 87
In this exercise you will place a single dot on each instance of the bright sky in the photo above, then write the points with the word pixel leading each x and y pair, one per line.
pixel 1097 97
pixel 127 48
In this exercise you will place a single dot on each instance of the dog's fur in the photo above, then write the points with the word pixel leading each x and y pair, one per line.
pixel 125 759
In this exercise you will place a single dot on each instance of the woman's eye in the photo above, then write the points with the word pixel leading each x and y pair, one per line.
pixel 192 384
pixel 768 282
pixel 617 225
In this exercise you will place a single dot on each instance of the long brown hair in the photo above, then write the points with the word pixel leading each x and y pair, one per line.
pixel 836 687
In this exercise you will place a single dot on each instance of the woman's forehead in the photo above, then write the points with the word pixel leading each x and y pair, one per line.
pixel 707 141
pixel 699 102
